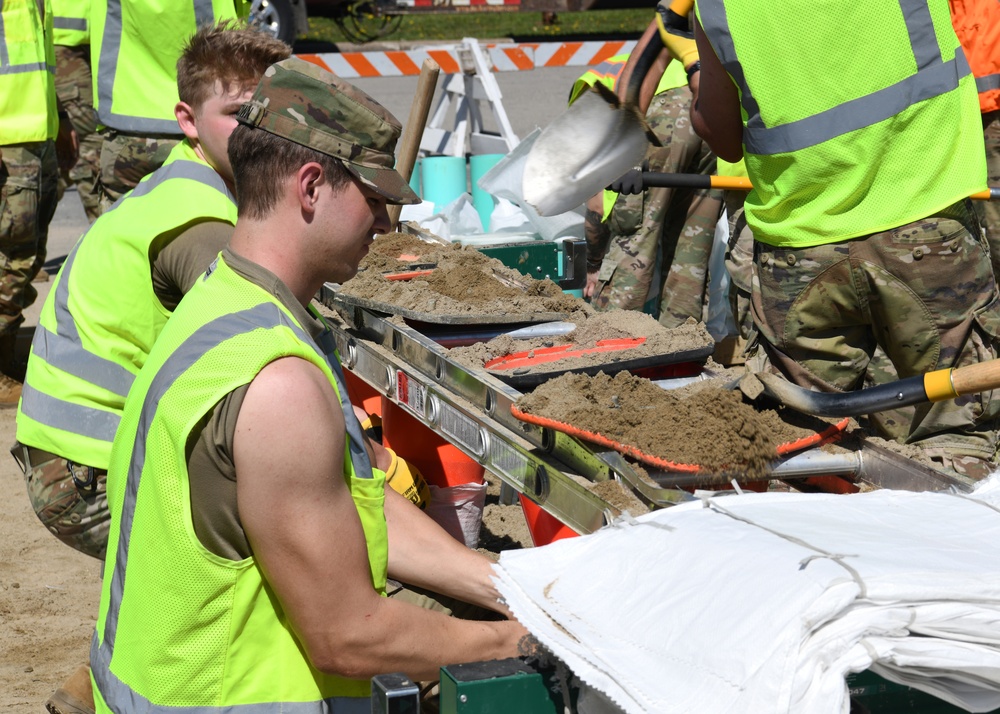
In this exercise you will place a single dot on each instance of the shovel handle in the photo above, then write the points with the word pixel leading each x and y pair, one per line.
pixel 950 383
pixel 653 179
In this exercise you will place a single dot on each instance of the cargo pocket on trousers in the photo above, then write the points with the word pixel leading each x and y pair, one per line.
pixel 18 211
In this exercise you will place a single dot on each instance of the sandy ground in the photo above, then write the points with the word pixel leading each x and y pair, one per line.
pixel 48 591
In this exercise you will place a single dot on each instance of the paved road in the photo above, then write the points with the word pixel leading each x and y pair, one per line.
pixel 530 99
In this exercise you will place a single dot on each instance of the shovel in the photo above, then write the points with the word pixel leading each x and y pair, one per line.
pixel 653 179
pixel 933 386
pixel 596 140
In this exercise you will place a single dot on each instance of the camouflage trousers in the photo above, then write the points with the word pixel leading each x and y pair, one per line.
pixel 739 262
pixel 923 294
pixel 69 499
pixel 75 91
pixel 126 159
pixel 989 211
pixel 28 177
pixel 664 229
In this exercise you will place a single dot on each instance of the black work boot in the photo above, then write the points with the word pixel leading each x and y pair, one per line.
pixel 10 386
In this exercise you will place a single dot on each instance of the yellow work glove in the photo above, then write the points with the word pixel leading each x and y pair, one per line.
pixel 675 31
pixel 372 426
pixel 407 481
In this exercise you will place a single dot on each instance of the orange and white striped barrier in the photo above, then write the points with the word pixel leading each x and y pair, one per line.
pixel 513 57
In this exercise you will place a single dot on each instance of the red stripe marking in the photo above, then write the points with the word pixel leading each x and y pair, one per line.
pixel 403 61
pixel 361 65
pixel 519 58
pixel 564 54
pixel 447 63
pixel 609 50
pixel 315 59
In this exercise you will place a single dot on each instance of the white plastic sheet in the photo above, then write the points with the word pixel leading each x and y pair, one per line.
pixel 764 602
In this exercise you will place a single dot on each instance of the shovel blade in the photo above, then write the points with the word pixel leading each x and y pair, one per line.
pixel 585 148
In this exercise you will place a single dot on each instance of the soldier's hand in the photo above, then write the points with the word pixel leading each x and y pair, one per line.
pixel 67 145
pixel 591 287
pixel 629 183
pixel 675 30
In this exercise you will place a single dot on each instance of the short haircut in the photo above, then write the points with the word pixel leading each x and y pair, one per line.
pixel 262 161
pixel 226 52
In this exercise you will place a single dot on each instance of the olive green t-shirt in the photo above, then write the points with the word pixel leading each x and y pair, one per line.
pixel 178 261
pixel 211 470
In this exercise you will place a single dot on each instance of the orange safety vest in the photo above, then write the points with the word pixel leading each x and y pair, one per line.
pixel 977 24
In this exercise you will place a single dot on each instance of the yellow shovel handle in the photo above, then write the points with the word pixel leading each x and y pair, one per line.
pixel 951 383
pixel 742 183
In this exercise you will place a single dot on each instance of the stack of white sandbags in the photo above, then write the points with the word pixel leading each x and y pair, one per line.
pixel 764 602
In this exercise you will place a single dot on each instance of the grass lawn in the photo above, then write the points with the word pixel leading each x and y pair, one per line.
pixel 518 26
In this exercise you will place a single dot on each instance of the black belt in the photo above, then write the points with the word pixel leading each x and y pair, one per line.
pixel 39 456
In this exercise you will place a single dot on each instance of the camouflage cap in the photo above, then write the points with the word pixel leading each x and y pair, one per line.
pixel 306 104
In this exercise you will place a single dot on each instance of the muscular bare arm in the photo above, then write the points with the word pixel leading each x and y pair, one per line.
pixel 307 538
pixel 715 112
pixel 423 554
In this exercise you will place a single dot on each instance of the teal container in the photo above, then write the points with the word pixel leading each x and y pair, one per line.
pixel 481 200
pixel 415 178
pixel 443 178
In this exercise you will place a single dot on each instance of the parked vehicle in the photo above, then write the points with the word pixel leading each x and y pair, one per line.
pixel 366 20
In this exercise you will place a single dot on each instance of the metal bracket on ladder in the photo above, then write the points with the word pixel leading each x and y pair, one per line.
pixel 461 97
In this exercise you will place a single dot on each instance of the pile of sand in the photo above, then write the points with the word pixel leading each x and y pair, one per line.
pixel 710 426
pixel 691 337
pixel 463 282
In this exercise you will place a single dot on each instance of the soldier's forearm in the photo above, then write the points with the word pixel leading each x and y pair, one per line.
pixel 598 236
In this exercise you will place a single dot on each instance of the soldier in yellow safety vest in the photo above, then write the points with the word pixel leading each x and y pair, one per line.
pixel 242 409
pixel 29 125
pixel 864 234
pixel 134 47
pixel 115 291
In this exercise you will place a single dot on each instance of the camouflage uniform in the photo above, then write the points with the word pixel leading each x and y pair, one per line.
pixel 69 499
pixel 989 211
pixel 739 262
pixel 126 159
pixel 28 178
pixel 76 95
pixel 924 293
pixel 657 219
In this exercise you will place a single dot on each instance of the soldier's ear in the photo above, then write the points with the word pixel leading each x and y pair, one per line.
pixel 185 119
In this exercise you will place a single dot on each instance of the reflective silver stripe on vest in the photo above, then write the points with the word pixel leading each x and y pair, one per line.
pixel 985 84
pixel 64 350
pixel 123 700
pixel 74 418
pixel 118 695
pixel 69 23
pixel 22 68
pixel 182 169
pixel 111 45
pixel 933 78
pixel 4 57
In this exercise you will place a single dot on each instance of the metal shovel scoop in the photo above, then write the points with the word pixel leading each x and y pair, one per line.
pixel 596 140
pixel 933 386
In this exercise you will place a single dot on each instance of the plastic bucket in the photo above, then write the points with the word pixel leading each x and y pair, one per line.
pixel 481 200
pixel 544 528
pixel 442 178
